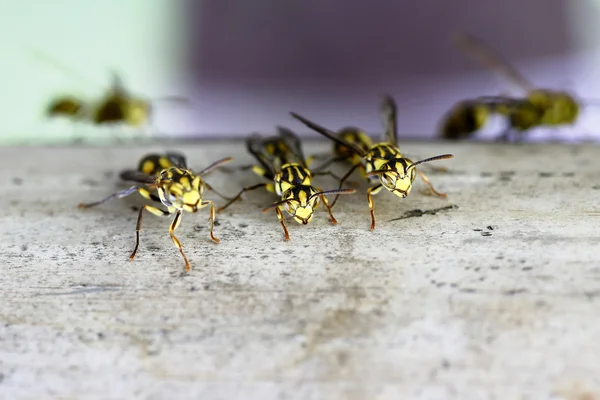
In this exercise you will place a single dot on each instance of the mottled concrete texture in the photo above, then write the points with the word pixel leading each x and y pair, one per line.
pixel 495 298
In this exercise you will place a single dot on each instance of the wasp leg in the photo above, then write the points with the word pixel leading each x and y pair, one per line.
pixel 426 180
pixel 246 189
pixel 430 167
pixel 174 225
pixel 211 219
pixel 118 195
pixel 156 211
pixel 373 190
pixel 326 202
pixel 280 218
pixel 209 187
pixel 350 171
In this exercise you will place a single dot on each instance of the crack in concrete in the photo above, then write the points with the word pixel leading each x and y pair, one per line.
pixel 420 213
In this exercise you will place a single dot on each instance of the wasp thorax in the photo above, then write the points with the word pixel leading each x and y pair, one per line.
pixel 292 175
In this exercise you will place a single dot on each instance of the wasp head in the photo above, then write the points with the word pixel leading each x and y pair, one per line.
pixel 181 189
pixel 397 176
pixel 300 203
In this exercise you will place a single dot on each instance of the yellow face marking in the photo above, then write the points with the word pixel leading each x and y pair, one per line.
pixel 192 198
pixel 185 183
pixel 301 204
pixel 303 215
pixel 399 184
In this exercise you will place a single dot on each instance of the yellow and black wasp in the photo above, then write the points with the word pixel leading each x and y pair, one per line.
pixel 282 162
pixel 177 187
pixel 382 160
pixel 117 105
pixel 538 107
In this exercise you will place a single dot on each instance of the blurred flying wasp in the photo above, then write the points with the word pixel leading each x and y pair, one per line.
pixel 177 187
pixel 538 107
pixel 116 106
pixel 383 160
pixel 282 162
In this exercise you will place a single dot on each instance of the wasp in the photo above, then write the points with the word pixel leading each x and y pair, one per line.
pixel 282 162
pixel 382 160
pixel 176 187
pixel 117 105
pixel 537 107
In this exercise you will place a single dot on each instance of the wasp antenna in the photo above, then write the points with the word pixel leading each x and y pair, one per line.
pixel 441 157
pixel 376 172
pixel 215 165
pixel 335 191
pixel 274 205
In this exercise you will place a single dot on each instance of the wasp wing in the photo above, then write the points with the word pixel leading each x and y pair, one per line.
pixel 387 108
pixel 176 159
pixel 137 176
pixel 255 146
pixel 117 86
pixel 491 60
pixel 293 143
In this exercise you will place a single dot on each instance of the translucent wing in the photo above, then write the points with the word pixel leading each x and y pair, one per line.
pixel 177 159
pixel 491 60
pixel 293 143
pixel 254 145
pixel 137 176
pixel 388 118
pixel 117 85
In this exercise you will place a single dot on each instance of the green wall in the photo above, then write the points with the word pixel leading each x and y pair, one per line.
pixel 140 39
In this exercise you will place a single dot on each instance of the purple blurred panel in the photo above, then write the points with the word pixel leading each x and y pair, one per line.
pixel 357 41
pixel 252 61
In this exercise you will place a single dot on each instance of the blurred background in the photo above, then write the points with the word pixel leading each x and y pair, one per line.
pixel 244 65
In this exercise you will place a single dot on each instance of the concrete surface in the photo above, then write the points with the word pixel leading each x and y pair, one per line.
pixel 495 299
